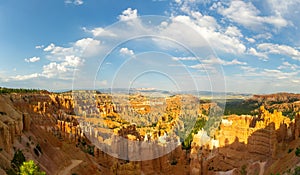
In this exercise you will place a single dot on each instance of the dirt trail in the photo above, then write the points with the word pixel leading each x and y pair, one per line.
pixel 66 171
pixel 262 167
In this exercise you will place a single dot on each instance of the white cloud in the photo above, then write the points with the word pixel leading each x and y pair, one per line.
pixel 65 60
pixel 251 40
pixel 99 31
pixel 54 69
pixel 233 31
pixel 184 58
pixel 204 67
pixel 215 60
pixel 84 47
pixel 246 14
pixel 280 7
pixel 126 51
pixel 32 59
pixel 280 49
pixel 62 70
pixel 278 74
pixel 208 63
pixel 265 36
pixel 73 61
pixel 39 46
pixel 248 69
pixel 24 77
pixel 87 42
pixel 260 55
pixel 288 66
pixel 274 74
pixel 75 2
pixel 178 1
pixel 234 62
pixel 57 53
pixel 87 47
pixel 128 14
pixel 49 47
pixel 204 20
pixel 217 40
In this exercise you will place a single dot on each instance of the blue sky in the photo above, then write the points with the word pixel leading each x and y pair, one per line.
pixel 236 46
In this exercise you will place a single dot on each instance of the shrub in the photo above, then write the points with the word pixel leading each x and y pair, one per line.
pixel 297 152
pixel 30 168
pixel 18 160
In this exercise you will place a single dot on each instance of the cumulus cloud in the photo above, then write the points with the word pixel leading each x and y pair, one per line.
pixel 126 51
pixel 54 69
pixel 85 47
pixel 73 61
pixel 246 14
pixel 64 60
pixel 87 42
pixel 221 38
pixel 49 47
pixel 233 31
pixel 63 69
pixel 32 59
pixel 58 53
pixel 128 14
pixel 216 38
pixel 260 55
pixel 99 31
pixel 271 48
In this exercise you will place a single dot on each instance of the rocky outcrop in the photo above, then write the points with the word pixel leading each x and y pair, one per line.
pixel 11 124
pixel 242 140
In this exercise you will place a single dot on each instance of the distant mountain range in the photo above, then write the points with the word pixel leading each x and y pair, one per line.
pixel 206 94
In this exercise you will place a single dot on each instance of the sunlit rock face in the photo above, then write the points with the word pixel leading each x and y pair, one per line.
pixel 241 141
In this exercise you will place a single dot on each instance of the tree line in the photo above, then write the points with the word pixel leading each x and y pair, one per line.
pixel 4 90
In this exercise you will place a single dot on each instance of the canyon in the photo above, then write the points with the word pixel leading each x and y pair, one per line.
pixel 87 132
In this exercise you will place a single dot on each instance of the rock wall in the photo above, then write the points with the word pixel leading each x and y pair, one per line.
pixel 11 124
